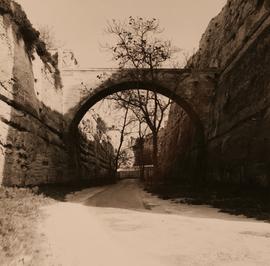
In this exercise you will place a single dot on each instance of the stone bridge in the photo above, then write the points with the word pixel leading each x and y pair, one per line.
pixel 191 89
pixel 83 88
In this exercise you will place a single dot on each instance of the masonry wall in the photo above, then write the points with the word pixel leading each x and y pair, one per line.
pixel 96 153
pixel 177 146
pixel 238 134
pixel 31 142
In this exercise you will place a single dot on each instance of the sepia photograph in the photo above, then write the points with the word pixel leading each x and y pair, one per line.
pixel 134 133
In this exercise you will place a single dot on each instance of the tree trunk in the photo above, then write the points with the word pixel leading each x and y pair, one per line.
pixel 121 139
pixel 155 156
pixel 141 162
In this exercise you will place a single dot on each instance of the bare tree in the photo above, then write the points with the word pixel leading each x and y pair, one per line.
pixel 138 46
pixel 124 130
pixel 48 37
pixel 148 108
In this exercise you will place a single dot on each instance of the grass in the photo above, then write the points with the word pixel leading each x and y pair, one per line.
pixel 19 213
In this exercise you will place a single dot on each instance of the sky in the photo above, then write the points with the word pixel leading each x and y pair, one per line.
pixel 80 24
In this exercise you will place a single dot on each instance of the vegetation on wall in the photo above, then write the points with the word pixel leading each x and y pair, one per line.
pixel 31 37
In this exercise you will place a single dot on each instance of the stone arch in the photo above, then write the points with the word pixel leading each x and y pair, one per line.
pixel 191 90
pixel 101 94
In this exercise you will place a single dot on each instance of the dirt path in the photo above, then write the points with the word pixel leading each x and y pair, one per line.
pixel 125 194
pixel 123 225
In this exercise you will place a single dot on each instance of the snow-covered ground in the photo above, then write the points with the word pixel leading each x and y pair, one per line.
pixel 122 225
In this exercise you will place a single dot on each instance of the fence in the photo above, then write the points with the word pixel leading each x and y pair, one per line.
pixel 134 172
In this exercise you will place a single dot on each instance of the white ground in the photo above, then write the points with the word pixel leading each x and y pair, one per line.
pixel 114 226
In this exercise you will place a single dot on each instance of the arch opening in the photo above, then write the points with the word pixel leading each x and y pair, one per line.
pixel 94 98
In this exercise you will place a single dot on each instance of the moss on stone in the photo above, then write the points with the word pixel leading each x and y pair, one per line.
pixel 30 36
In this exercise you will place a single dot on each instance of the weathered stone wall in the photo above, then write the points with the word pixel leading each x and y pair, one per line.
pixel 239 140
pixel 31 124
pixel 33 145
pixel 237 43
pixel 143 150
pixel 96 153
pixel 177 146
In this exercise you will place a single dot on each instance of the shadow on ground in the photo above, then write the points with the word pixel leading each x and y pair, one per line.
pixel 60 191
pixel 236 200
pixel 253 203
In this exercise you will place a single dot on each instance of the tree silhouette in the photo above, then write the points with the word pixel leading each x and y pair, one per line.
pixel 137 46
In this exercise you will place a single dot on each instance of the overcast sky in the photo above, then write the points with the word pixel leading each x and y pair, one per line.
pixel 80 24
